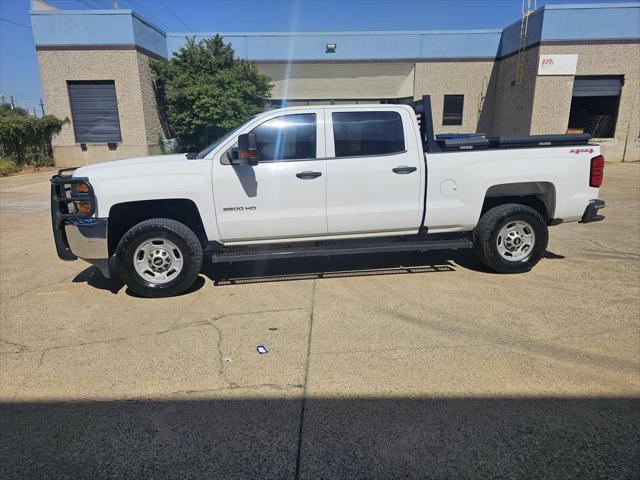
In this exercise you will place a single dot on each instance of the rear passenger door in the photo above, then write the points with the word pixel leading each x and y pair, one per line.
pixel 374 170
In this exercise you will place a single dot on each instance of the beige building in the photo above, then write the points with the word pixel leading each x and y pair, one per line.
pixel 136 106
pixel 558 78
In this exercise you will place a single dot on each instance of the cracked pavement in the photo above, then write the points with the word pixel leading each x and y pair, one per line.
pixel 382 366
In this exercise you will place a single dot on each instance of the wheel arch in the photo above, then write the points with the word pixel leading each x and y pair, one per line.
pixel 123 216
pixel 541 196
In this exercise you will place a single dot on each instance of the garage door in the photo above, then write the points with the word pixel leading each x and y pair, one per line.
pixel 94 109
pixel 597 86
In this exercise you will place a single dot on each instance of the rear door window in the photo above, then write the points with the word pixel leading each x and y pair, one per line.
pixel 358 134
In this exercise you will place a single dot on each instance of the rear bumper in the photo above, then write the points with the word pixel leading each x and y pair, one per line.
pixel 591 212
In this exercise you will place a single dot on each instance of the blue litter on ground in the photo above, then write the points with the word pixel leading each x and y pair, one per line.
pixel 262 349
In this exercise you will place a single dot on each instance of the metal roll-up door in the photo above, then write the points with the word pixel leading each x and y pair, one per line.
pixel 597 87
pixel 94 109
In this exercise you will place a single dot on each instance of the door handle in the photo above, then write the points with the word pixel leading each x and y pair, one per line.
pixel 403 170
pixel 308 175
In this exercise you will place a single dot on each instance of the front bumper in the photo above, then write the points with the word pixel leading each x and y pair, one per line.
pixel 76 235
pixel 591 212
pixel 87 239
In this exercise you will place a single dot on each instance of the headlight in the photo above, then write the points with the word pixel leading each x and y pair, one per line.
pixel 82 187
pixel 83 207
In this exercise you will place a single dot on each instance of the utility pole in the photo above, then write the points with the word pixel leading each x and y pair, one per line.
pixel 42 107
pixel 12 104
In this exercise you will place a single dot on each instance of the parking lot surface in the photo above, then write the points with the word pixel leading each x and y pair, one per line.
pixel 419 366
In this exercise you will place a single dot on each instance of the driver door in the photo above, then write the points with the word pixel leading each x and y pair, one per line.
pixel 284 195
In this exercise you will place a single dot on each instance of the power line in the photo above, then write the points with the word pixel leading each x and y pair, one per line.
pixel 138 6
pixel 15 23
pixel 82 2
pixel 174 14
pixel 110 4
pixel 130 2
pixel 89 5
pixel 17 93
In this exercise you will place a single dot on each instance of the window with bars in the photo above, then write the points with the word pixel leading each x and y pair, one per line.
pixel 452 111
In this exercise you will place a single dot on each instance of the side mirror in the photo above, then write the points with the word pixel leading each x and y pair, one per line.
pixel 247 151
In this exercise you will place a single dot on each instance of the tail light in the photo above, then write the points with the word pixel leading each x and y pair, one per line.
pixel 597 171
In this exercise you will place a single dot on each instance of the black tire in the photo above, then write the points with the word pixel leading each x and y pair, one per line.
pixel 488 228
pixel 189 249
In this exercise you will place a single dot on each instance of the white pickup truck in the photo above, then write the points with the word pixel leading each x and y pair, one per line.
pixel 321 181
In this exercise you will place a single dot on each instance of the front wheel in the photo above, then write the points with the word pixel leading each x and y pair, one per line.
pixel 159 258
pixel 511 238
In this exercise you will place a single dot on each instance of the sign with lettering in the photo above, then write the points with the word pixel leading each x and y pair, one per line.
pixel 557 64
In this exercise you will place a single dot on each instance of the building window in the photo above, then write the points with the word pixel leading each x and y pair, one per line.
pixel 288 137
pixel 94 110
pixel 358 134
pixel 452 111
pixel 594 105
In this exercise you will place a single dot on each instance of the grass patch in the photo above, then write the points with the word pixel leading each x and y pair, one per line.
pixel 7 167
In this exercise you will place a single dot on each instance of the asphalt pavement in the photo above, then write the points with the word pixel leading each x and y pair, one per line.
pixel 385 366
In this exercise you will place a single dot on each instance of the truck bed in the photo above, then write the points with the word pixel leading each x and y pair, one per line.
pixel 482 142
pixel 474 141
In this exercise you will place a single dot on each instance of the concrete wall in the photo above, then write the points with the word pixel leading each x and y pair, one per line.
pixel 135 108
pixel 150 111
pixel 360 46
pixel 97 27
pixel 552 99
pixel 341 80
pixel 470 79
pixel 510 39
pixel 594 21
pixel 512 104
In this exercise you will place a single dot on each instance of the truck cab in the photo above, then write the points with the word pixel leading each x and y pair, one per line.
pixel 322 172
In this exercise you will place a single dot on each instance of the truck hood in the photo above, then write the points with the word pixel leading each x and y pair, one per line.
pixel 134 166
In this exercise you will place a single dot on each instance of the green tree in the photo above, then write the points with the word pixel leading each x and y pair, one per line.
pixel 24 138
pixel 204 91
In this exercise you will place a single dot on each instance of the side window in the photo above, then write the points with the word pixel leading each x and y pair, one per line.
pixel 288 137
pixel 452 110
pixel 358 134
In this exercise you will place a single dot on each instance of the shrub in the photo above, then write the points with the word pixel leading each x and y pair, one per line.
pixel 7 166
pixel 26 139
pixel 204 91
pixel 167 146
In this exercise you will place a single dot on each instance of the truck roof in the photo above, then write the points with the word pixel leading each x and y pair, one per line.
pixel 355 106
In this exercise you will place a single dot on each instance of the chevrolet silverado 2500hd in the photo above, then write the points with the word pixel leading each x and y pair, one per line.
pixel 321 181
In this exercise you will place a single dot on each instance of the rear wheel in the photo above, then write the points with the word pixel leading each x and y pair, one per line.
pixel 159 258
pixel 511 238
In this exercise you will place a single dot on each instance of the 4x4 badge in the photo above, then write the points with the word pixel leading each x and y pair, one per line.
pixel 581 150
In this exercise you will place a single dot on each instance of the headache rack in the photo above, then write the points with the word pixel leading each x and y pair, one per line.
pixel 64 206
pixel 433 143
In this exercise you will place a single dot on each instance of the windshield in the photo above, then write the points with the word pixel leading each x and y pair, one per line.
pixel 217 142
